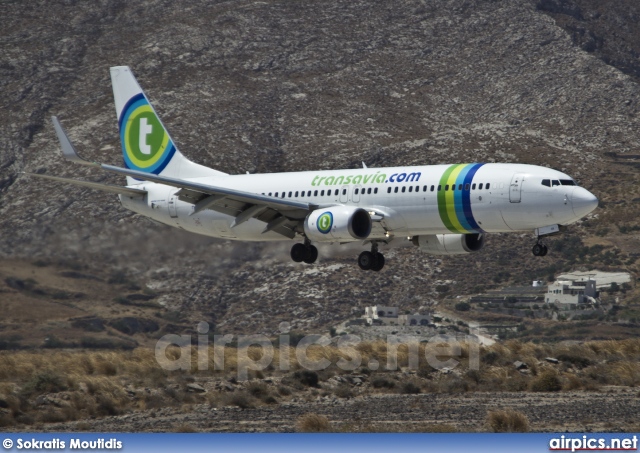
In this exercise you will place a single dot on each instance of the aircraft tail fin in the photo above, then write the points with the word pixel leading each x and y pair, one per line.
pixel 146 143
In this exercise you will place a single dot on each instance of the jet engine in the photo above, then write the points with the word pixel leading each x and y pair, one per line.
pixel 338 223
pixel 449 244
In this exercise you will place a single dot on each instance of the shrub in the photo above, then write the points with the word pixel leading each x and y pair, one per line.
pixel 258 390
pixel 546 382
pixel 409 388
pixel 382 382
pixel 306 377
pixel 313 423
pixel 241 400
pixel 284 391
pixel 462 306
pixel 579 361
pixel 454 385
pixel 45 382
pixel 343 391
pixel 507 421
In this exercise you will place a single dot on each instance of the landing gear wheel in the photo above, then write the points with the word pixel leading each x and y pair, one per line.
pixel 538 250
pixel 366 260
pixel 379 262
pixel 298 253
pixel 544 250
pixel 311 254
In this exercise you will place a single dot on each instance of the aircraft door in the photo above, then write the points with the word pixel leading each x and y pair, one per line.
pixel 344 194
pixel 515 189
pixel 173 206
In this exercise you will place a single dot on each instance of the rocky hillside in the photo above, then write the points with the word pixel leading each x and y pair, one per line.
pixel 287 86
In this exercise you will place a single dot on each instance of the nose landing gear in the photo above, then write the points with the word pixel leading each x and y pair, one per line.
pixel 539 249
pixel 372 260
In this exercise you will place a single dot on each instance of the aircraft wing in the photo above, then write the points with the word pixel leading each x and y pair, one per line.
pixel 280 215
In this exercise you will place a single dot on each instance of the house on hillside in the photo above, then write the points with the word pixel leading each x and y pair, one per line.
pixel 388 316
pixel 570 294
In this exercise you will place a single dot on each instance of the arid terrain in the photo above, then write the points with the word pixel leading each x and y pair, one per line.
pixel 290 86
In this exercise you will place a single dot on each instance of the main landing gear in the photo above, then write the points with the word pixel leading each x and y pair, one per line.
pixel 304 252
pixel 372 260
pixel 539 249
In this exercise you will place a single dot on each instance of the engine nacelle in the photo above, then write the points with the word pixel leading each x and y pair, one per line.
pixel 338 223
pixel 449 244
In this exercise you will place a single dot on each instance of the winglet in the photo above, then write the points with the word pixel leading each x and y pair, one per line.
pixel 68 151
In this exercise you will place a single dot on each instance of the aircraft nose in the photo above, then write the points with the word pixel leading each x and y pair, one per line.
pixel 583 202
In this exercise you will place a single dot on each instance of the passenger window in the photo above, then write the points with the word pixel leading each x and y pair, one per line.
pixel 480 186
pixel 302 193
pixel 424 189
pixel 315 193
pixel 417 188
pixel 375 190
pixel 410 188
pixel 439 187
pixel 284 194
pixel 322 193
pixel 356 191
pixel 309 193
pixel 270 193
pixel 453 187
pixel 555 183
pixel 388 189
pixel 296 193
pixel 432 187
pixel 466 187
pixel 546 182
pixel 403 189
pixel 459 186
pixel 369 191
pixel 337 192
pixel 446 187
pixel 473 186
pixel 395 190
pixel 344 191
pixel 276 194
pixel 488 185
pixel 289 194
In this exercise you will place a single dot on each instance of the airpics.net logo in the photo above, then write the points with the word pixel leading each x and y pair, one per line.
pixel 325 222
pixel 246 353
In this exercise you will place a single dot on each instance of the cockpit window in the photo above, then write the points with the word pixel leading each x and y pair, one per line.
pixel 567 182
pixel 546 182
pixel 555 182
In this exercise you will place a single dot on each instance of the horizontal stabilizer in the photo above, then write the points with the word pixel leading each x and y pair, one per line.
pixel 94 185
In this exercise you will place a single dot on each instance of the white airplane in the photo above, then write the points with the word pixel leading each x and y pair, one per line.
pixel 442 209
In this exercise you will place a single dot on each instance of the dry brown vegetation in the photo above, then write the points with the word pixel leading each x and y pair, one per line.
pixel 40 387
pixel 313 423
pixel 507 421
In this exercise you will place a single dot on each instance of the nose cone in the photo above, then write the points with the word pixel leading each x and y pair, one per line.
pixel 583 202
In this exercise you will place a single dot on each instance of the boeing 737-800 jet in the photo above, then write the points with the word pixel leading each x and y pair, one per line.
pixel 443 209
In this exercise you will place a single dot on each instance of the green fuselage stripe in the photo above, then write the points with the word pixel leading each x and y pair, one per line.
pixel 442 202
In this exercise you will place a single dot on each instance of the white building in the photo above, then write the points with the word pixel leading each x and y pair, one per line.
pixel 388 316
pixel 571 292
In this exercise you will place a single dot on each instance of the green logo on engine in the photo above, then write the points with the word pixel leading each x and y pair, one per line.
pixel 325 222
